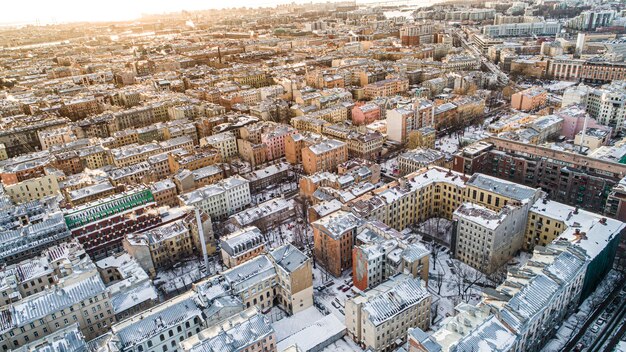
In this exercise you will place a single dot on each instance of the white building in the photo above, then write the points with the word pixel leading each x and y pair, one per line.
pixel 522 29
pixel 486 239
pixel 221 199
pixel 225 142
pixel 606 104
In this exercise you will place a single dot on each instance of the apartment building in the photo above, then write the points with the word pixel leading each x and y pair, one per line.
pixel 80 298
pixel 403 120
pixel 265 216
pixel 275 141
pixel 529 99
pixel 567 177
pixel 378 319
pixel 606 104
pixel 68 338
pixel 133 153
pixel 33 188
pixel 461 332
pixel 221 199
pixel 547 28
pixel 283 276
pixel 225 143
pixel 34 275
pixel 413 35
pixel 29 228
pixel 536 298
pixel 160 247
pixel 58 136
pixel 549 221
pixel 378 258
pixel 413 160
pixel 367 145
pixel 162 327
pixel 128 284
pixel 334 237
pixel 487 239
pixel 241 246
pixel 324 156
pixel 365 114
pixel 249 330
pixel 386 88
pixel 268 176
pixel 426 193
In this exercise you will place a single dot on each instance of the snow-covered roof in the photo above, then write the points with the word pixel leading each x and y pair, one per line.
pixel 480 215
pixel 233 335
pixel 262 210
pixel 288 257
pixel 67 339
pixel 392 297
pixel 504 188
pixel 326 146
pixel 157 319
pixel 249 273
pixel 62 296
pixel 315 335
pixel 242 240
pixel 490 336
pixel 337 223
pixel 592 232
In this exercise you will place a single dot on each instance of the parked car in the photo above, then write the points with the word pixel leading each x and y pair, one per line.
pixel 595 328
pixel 334 304
pixel 600 322
pixel 341 287
pixel 346 289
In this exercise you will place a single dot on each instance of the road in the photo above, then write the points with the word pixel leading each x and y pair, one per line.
pixel 503 78
pixel 594 341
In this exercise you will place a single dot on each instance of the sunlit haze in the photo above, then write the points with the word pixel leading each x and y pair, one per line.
pixel 32 11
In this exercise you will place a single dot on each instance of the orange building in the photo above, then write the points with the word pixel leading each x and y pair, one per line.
pixel 529 99
pixel 324 156
pixel 334 237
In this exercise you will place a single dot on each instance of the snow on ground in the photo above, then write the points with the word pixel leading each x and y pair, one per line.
pixel 390 167
pixel 571 325
pixel 274 191
pixel 438 228
pixel 446 281
pixel 332 297
pixel 448 144
pixel 285 233
pixel 179 278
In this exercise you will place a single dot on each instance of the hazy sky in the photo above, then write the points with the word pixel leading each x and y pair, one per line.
pixel 48 11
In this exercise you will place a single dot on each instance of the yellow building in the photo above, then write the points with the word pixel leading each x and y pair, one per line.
pixel 32 189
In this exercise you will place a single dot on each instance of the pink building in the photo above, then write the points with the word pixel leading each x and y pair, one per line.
pixel 275 141
pixel 365 114
pixel 574 119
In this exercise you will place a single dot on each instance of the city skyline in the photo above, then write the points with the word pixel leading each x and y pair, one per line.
pixel 66 11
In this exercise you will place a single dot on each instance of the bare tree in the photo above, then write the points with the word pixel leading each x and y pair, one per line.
pixel 465 278
pixel 434 253
pixel 437 280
